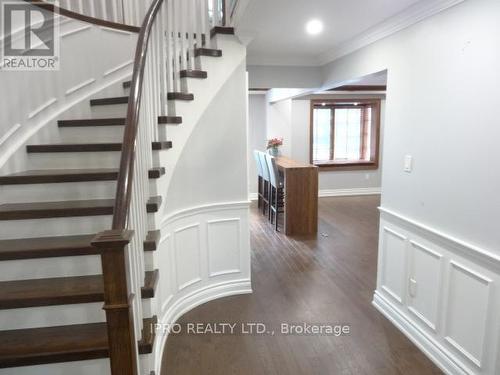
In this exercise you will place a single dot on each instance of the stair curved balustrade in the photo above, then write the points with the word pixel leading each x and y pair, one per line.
pixel 172 35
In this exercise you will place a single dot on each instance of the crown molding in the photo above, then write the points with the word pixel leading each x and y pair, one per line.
pixel 408 17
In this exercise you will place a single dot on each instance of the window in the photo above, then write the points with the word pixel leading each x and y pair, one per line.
pixel 345 133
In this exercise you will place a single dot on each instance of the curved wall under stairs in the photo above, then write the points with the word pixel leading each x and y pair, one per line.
pixel 204 253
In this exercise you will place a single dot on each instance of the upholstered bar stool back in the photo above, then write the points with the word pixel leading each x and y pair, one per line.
pixel 276 193
pixel 266 185
pixel 260 178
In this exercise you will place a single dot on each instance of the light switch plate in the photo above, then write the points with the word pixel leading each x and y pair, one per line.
pixel 408 163
pixel 412 287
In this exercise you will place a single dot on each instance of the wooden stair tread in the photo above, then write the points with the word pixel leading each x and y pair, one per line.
pixel 152 240
pixel 169 120
pixel 88 147
pixel 179 96
pixel 120 121
pixel 210 52
pixel 53 291
pixel 221 30
pixel 109 101
pixel 41 210
pixel 148 335
pixel 61 246
pixel 150 283
pixel 36 346
pixel 47 247
pixel 62 291
pixel 45 176
pixel 24 347
pixel 189 73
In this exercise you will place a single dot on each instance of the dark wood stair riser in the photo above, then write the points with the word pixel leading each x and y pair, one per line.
pixel 88 147
pixel 49 210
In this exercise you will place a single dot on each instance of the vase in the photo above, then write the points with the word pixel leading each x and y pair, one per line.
pixel 274 151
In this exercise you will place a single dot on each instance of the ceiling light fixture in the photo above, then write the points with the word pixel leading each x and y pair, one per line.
pixel 314 27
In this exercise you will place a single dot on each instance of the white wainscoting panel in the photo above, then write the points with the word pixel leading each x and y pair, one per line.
pixel 393 274
pixel 467 311
pixel 204 254
pixel 224 247
pixel 442 293
pixel 426 274
pixel 187 256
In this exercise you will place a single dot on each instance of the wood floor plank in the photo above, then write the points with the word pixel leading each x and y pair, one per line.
pixel 325 279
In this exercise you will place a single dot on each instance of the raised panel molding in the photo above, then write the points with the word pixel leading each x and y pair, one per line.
pixel 393 272
pixel 224 247
pixel 187 256
pixel 452 314
pixel 170 281
pixel 426 269
pixel 466 317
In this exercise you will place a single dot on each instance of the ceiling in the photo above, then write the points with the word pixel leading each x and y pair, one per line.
pixel 275 29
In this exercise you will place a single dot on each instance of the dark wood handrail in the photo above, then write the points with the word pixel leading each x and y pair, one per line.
pixel 81 17
pixel 126 172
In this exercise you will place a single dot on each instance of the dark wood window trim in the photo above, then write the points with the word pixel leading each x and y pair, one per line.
pixel 373 162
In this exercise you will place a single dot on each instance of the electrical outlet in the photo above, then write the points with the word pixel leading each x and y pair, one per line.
pixel 408 167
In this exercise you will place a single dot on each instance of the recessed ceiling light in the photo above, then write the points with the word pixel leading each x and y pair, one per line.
pixel 314 27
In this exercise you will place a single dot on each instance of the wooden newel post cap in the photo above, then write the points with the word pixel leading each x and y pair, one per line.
pixel 112 239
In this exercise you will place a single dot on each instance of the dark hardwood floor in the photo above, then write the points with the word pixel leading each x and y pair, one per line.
pixel 328 279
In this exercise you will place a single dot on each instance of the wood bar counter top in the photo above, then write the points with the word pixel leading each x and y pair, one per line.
pixel 301 196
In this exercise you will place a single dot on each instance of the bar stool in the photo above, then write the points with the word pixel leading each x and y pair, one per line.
pixel 276 192
pixel 260 181
pixel 265 183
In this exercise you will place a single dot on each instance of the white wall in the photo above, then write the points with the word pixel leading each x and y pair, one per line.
pixel 278 123
pixel 256 135
pixel 284 76
pixel 204 252
pixel 442 92
pixel 439 252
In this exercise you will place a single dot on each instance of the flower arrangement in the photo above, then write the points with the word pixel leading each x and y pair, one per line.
pixel 273 145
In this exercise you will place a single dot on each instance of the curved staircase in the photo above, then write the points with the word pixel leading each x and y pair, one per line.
pixel 52 249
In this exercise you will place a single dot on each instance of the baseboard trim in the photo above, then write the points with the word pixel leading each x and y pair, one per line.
pixel 443 358
pixel 349 192
pixel 193 300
